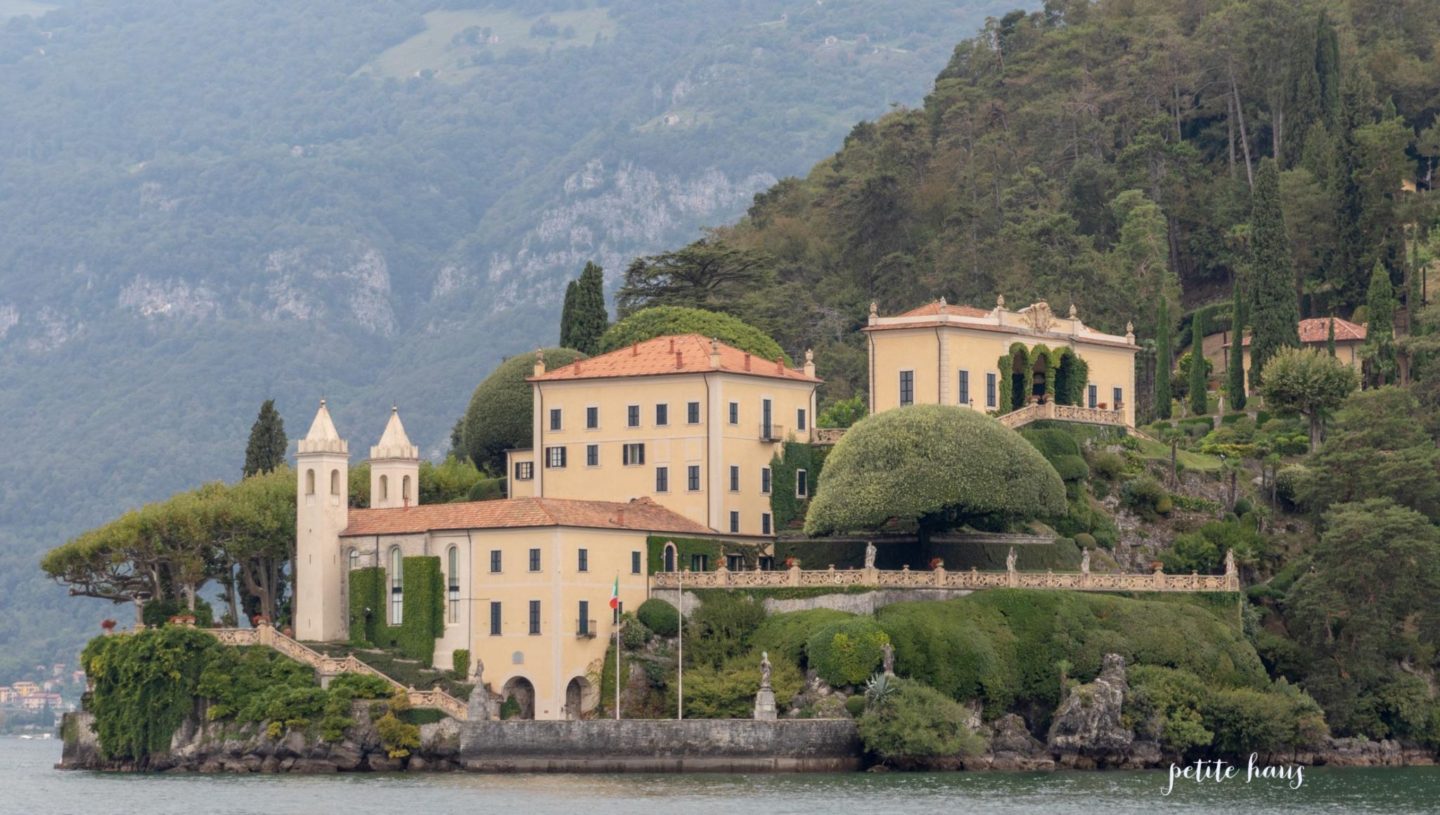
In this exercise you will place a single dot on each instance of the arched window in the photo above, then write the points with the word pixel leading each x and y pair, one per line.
pixel 397 587
pixel 670 557
pixel 309 482
pixel 334 482
pixel 384 487
pixel 354 559
pixel 405 490
pixel 452 576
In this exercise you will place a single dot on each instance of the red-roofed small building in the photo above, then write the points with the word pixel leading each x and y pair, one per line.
pixel 1314 333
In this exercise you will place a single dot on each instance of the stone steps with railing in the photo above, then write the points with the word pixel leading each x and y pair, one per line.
pixel 327 667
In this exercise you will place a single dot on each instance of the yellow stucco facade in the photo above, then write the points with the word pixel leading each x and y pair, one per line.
pixel 950 355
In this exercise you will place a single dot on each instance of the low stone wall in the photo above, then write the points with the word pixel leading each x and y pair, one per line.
pixel 651 745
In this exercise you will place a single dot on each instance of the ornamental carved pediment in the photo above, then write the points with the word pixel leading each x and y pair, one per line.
pixel 1039 317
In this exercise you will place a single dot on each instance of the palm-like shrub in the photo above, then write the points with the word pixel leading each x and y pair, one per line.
pixel 933 466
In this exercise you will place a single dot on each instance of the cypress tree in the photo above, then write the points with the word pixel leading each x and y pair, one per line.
pixel 1330 336
pixel 1198 404
pixel 1327 69
pixel 266 448
pixel 1276 315
pixel 590 318
pixel 1380 332
pixel 1163 363
pixel 1235 367
pixel 567 316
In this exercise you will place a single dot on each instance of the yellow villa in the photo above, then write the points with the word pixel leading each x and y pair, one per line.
pixel 526 581
pixel 960 355
pixel 687 421
pixel 1314 332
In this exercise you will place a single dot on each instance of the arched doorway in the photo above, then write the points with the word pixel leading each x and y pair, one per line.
pixel 670 556
pixel 1070 376
pixel 1040 377
pixel 518 689
pixel 581 696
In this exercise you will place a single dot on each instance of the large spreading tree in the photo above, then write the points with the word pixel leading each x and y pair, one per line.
pixel 501 409
pixel 704 274
pixel 1274 314
pixel 932 467
pixel 1309 382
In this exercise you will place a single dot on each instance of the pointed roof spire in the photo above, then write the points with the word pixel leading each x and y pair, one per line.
pixel 323 438
pixel 394 443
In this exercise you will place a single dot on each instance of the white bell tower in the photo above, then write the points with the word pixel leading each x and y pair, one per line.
pixel 394 468
pixel 322 509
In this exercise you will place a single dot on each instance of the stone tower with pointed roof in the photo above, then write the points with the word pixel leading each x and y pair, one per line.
pixel 394 468
pixel 321 514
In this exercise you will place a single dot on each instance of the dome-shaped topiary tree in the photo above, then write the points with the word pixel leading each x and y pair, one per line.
pixel 501 409
pixel 936 467
pixel 664 320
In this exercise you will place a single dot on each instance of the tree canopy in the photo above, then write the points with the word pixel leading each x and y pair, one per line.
pixel 1274 314
pixel 583 319
pixel 659 321
pixel 700 275
pixel 501 409
pixel 932 466
pixel 1308 381
pixel 266 449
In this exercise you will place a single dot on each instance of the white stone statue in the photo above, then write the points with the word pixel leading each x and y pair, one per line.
pixel 887 658
pixel 1085 562
pixel 869 554
pixel 764 670
pixel 1010 560
pixel 1230 561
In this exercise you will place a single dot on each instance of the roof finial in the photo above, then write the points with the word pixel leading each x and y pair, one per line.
pixel 1072 311
pixel 999 301
pixel 874 313
pixel 1129 332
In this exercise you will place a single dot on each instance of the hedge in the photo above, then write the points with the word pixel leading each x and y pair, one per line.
pixel 423 620
pixel 367 591
pixel 786 634
pixel 846 652
pixel 659 616
pixel 787 509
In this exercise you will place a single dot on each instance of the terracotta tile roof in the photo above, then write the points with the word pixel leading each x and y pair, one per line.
pixel 932 309
pixel 1316 331
pixel 640 514
pixel 679 354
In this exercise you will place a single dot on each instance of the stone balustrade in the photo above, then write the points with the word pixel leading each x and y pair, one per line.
pixel 327 666
pixel 940 578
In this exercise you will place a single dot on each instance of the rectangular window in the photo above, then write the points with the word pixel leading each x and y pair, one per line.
pixel 632 416
pixel 699 563
pixel 592 417
pixel 555 457
pixel 495 628
pixel 662 415
pixel 764 523
pixel 734 478
pixel 692 478
pixel 964 387
pixel 1119 394
pixel 554 418
pixel 734 522
pixel 583 564
pixel 534 616
pixel 802 484
pixel 764 480
pixel 633 454
pixel 800 418
pixel 990 390
pixel 592 455
pixel 767 429
pixel 662 479
pixel 534 560
pixel 524 470
pixel 1093 395
pixel 634 563
pixel 494 561
pixel 767 563
pixel 692 412
pixel 734 413
pixel 735 563
pixel 582 625
pixel 907 388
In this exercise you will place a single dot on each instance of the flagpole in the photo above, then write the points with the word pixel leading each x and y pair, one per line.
pixel 680 634
pixel 615 609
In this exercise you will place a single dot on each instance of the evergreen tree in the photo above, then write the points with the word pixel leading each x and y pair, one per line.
pixel 1327 69
pixel 1330 337
pixel 266 448
pixel 1163 363
pixel 567 316
pixel 1198 404
pixel 590 317
pixel 1380 331
pixel 1235 367
pixel 1276 315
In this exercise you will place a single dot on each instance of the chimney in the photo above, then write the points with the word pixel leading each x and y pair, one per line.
pixel 747 361
pixel 810 363
pixel 672 343
pixel 635 350
pixel 714 353
pixel 620 516
pixel 679 361
pixel 779 365
pixel 539 361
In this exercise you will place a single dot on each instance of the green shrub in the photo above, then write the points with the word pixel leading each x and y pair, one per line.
pixel 728 691
pixel 1143 495
pixel 397 737
pixel 846 652
pixel 460 663
pixel 367 606
pixel 1107 465
pixel 917 722
pixel 510 709
pixel 1291 484
pixel 144 687
pixel 487 489
pixel 633 634
pixel 1246 720
pixel 660 617
pixel 1085 540
pixel 1165 705
pixel 1052 442
pixel 1191 552
pixel 785 635
pixel 855 705
pixel 1071 468
pixel 721 628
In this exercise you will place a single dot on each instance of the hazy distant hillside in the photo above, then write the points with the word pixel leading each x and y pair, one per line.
pixel 204 204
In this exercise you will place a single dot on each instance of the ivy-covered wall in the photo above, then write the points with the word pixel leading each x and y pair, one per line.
pixel 424 608
pixel 787 509
pixel 367 591
pixel 685 547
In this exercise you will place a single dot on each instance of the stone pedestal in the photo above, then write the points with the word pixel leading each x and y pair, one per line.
pixel 765 705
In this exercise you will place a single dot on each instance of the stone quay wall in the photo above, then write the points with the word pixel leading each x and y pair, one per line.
pixel 661 745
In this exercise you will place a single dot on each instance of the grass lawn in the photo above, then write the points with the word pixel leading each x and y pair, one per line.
pixel 1159 451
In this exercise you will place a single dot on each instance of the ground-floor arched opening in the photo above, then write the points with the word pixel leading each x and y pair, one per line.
pixel 581 697
pixel 517 699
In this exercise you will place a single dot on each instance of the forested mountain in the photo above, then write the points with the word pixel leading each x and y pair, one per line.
pixel 1103 154
pixel 203 205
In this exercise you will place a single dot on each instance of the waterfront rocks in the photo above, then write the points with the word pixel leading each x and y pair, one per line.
pixel 1087 730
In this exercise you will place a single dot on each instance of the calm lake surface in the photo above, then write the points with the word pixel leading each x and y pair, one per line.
pixel 29 785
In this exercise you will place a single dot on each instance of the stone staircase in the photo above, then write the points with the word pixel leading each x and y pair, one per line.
pixel 328 667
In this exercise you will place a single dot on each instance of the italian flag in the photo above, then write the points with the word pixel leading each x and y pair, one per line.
pixel 615 594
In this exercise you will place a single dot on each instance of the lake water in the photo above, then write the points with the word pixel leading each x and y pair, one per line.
pixel 29 785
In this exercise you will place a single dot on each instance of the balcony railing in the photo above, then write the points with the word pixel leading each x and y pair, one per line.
pixel 771 432
pixel 585 628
